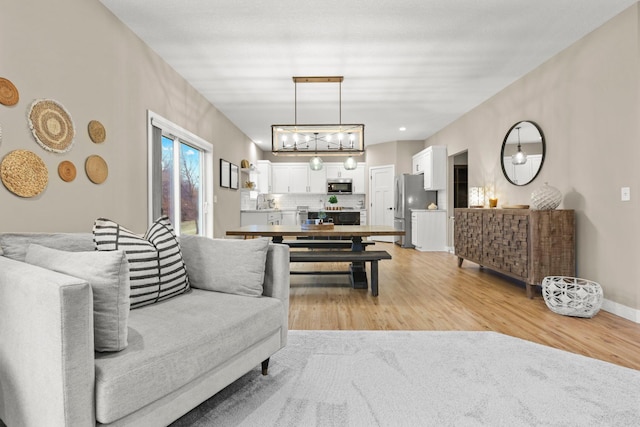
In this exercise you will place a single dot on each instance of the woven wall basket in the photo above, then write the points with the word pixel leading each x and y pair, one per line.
pixel 51 125
pixel 8 92
pixel 96 169
pixel 67 171
pixel 24 173
pixel 97 132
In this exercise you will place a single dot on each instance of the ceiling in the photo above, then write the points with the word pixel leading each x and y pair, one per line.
pixel 417 64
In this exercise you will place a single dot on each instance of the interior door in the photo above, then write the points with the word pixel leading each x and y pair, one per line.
pixel 381 192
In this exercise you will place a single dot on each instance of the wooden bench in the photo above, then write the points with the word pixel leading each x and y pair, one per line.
pixel 324 244
pixel 342 256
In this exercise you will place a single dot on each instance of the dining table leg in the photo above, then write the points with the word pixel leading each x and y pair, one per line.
pixel 358 270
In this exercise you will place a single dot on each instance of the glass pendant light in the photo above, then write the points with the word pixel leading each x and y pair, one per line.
pixel 520 158
pixel 315 164
pixel 350 164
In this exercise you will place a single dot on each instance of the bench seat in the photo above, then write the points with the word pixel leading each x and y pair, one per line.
pixel 343 256
pixel 324 244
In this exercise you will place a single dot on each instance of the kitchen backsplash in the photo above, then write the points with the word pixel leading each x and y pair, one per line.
pixel 250 201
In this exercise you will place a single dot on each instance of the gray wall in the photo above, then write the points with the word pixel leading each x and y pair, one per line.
pixel 397 153
pixel 78 53
pixel 586 100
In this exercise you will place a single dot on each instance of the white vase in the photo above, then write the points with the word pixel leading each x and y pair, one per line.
pixel 546 198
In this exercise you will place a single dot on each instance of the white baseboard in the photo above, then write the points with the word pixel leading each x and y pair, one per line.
pixel 621 310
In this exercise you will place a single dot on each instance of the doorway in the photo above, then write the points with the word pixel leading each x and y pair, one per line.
pixel 381 196
pixel 460 180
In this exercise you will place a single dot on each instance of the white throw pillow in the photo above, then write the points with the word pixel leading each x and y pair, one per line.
pixel 108 275
pixel 156 268
pixel 226 265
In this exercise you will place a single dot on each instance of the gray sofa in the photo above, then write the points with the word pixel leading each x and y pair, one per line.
pixel 180 351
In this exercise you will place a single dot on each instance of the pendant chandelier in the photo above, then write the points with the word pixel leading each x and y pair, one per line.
pixel 328 139
pixel 520 157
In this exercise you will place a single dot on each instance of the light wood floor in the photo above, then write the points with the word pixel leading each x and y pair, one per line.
pixel 427 291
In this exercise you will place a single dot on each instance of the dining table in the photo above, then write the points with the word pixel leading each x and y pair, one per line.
pixel 354 232
pixel 277 233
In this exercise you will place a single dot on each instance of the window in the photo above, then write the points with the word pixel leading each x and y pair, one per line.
pixel 180 177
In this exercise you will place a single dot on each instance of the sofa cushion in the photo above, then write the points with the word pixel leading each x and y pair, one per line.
pixel 156 268
pixel 226 265
pixel 14 245
pixel 177 340
pixel 108 275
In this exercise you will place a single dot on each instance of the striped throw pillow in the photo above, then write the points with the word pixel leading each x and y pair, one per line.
pixel 156 268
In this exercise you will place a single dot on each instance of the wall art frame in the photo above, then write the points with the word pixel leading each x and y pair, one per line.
pixel 225 173
pixel 234 178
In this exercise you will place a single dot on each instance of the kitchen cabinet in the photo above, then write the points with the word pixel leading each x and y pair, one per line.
pixel 290 177
pixel 429 230
pixel 363 217
pixel 261 218
pixel 432 164
pixel 521 243
pixel 359 179
pixel 264 185
pixel 334 170
pixel 299 178
pixel 417 163
pixel 317 181
pixel 289 217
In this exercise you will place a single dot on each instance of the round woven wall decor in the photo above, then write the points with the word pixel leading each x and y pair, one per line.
pixel 51 125
pixel 97 132
pixel 67 171
pixel 24 173
pixel 8 92
pixel 96 169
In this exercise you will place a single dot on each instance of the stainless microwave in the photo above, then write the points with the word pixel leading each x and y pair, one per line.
pixel 341 186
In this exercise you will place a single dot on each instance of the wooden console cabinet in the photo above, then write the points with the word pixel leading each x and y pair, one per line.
pixel 521 243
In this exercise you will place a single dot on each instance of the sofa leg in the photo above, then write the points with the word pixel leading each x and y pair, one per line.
pixel 265 366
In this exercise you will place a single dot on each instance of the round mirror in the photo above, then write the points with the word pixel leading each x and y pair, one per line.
pixel 522 153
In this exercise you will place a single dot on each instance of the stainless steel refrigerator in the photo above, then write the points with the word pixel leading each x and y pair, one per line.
pixel 409 194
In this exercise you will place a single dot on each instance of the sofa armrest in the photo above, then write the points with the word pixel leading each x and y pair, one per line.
pixel 277 280
pixel 46 358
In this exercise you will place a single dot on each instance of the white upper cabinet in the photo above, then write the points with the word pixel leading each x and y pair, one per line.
pixel 264 176
pixel 299 178
pixel 417 163
pixel 432 163
pixel 317 181
pixel 289 177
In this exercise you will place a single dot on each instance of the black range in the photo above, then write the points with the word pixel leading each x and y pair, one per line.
pixel 341 217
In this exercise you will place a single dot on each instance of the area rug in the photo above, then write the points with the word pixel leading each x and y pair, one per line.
pixel 414 378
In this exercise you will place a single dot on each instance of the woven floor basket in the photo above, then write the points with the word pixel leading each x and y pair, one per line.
pixel 572 296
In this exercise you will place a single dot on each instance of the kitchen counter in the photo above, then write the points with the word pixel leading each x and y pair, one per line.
pixel 268 210
pixel 336 210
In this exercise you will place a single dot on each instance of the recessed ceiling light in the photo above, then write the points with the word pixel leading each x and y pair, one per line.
pixel 402 129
